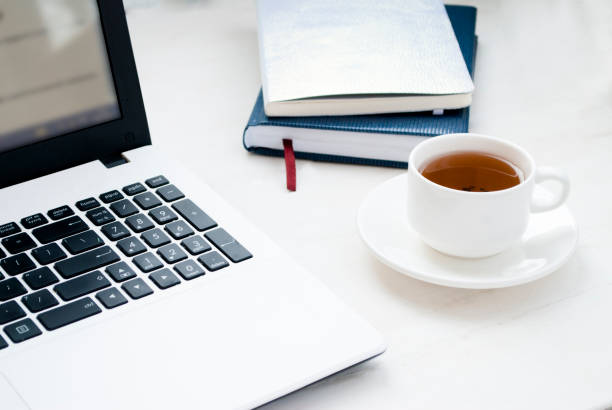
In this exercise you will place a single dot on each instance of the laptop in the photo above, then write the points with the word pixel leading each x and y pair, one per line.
pixel 125 281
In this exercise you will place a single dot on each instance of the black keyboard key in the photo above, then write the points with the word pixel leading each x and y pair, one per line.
pixel 32 221
pixel 137 288
pixel 40 278
pixel 9 229
pixel 11 288
pixel 196 245
pixel 48 253
pixel 162 215
pixel 213 261
pixel 178 229
pixel 111 298
pixel 3 343
pixel 14 265
pixel 10 311
pixel 38 301
pixel 59 230
pixel 111 196
pixel 139 223
pixel 194 215
pixel 60 212
pixel 134 189
pixel 171 253
pixel 131 246
pixel 18 243
pixel 156 181
pixel 120 272
pixel 189 269
pixel 124 208
pixel 147 262
pixel 69 313
pixel 164 278
pixel 82 242
pixel 100 216
pixel 85 262
pixel 82 285
pixel 2 254
pixel 228 245
pixel 115 231
pixel 155 238
pixel 147 200
pixel 170 193
pixel 87 204
pixel 23 330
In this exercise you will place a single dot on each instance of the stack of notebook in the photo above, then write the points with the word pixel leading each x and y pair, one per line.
pixel 415 86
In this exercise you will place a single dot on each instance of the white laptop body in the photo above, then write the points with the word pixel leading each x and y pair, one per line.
pixel 236 337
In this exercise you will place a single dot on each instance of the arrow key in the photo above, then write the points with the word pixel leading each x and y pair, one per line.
pixel 120 272
pixel 164 278
pixel 111 298
pixel 137 288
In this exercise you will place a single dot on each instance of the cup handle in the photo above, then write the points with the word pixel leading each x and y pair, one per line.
pixel 550 174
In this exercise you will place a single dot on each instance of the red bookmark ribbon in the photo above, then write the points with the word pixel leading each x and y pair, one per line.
pixel 289 164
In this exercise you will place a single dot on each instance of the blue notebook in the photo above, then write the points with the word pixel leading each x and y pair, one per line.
pixel 383 140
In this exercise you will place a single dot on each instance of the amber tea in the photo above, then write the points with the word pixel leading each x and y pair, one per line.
pixel 472 171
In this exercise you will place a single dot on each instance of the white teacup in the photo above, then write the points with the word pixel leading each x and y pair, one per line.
pixel 476 224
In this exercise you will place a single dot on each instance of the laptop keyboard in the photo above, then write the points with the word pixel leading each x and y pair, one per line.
pixel 56 270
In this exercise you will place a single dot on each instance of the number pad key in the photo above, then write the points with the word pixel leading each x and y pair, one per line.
pixel 164 278
pixel 41 300
pixel 196 245
pixel 213 261
pixel 147 262
pixel 171 253
pixel 147 200
pixel 40 278
pixel 189 269
pixel 48 253
pixel 162 215
pixel 131 246
pixel 139 223
pixel 228 245
pixel 124 208
pixel 155 238
pixel 137 288
pixel 115 231
pixel 10 311
pixel 100 216
pixel 178 230
pixel 120 272
pixel 170 193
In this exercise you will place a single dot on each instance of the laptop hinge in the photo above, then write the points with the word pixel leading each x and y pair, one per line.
pixel 114 160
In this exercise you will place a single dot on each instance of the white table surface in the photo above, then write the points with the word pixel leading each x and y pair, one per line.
pixel 543 79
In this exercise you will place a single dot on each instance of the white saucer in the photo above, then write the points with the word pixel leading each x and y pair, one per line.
pixel 550 239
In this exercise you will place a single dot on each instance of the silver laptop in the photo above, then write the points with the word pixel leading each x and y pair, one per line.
pixel 126 282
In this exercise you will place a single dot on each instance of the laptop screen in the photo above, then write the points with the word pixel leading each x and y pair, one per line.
pixel 55 76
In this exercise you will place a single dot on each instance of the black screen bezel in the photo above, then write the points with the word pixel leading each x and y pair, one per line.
pixel 106 140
